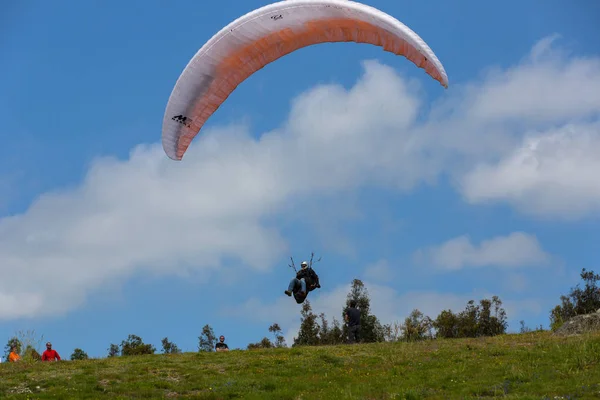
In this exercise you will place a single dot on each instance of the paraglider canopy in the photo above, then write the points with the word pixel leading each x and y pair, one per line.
pixel 268 33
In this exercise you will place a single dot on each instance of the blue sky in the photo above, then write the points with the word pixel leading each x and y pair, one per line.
pixel 486 188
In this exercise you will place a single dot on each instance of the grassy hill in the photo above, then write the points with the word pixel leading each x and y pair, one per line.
pixel 524 366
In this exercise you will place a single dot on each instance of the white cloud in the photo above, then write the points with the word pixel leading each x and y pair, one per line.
pixel 551 173
pixel 546 87
pixel 515 250
pixel 148 213
pixel 547 108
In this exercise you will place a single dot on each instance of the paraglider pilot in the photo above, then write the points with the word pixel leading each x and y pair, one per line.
pixel 306 280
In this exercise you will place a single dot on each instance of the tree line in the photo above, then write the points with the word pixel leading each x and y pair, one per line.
pixel 485 318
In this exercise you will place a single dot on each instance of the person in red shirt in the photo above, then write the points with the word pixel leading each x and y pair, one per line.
pixel 50 354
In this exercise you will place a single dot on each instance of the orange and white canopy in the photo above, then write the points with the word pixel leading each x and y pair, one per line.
pixel 268 33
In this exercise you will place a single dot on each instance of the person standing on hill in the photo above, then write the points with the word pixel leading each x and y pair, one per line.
pixel 49 354
pixel 14 355
pixel 221 345
pixel 352 318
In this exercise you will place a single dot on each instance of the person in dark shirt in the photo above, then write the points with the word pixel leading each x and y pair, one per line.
pixel 352 317
pixel 306 280
pixel 221 346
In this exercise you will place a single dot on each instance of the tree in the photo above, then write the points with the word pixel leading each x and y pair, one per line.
pixel 27 344
pixel 497 323
pixel 579 301
pixel 524 329
pixel 279 339
pixel 416 327
pixel 134 346
pixel 324 330
pixel 474 321
pixel 79 354
pixel 335 335
pixel 308 335
pixel 31 354
pixel 561 313
pixel 587 300
pixel 169 347
pixel 113 350
pixel 392 332
pixel 207 339
pixel 467 320
pixel 371 329
pixel 13 341
pixel 329 335
pixel 446 325
pixel 265 343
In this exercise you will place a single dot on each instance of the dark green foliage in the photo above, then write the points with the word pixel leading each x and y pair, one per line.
pixel 79 354
pixel 467 320
pixel 371 329
pixel 26 342
pixel 579 301
pixel 308 334
pixel 134 346
pixel 335 334
pixel 265 343
pixel 14 341
pixel 207 339
pixel 329 335
pixel 31 354
pixel 393 332
pixel 446 325
pixel 526 329
pixel 491 323
pixel 114 350
pixel 169 347
pixel 313 333
pixel 474 321
pixel 279 339
pixel 417 327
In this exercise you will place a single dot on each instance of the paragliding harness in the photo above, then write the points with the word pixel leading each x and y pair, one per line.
pixel 310 277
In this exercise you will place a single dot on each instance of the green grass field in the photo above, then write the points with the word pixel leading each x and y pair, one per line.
pixel 524 366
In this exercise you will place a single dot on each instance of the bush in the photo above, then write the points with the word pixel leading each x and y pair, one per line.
pixel 113 350
pixel 578 301
pixel 265 343
pixel 207 339
pixel 79 354
pixel 416 327
pixel 27 344
pixel 169 347
pixel 134 346
pixel 474 321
